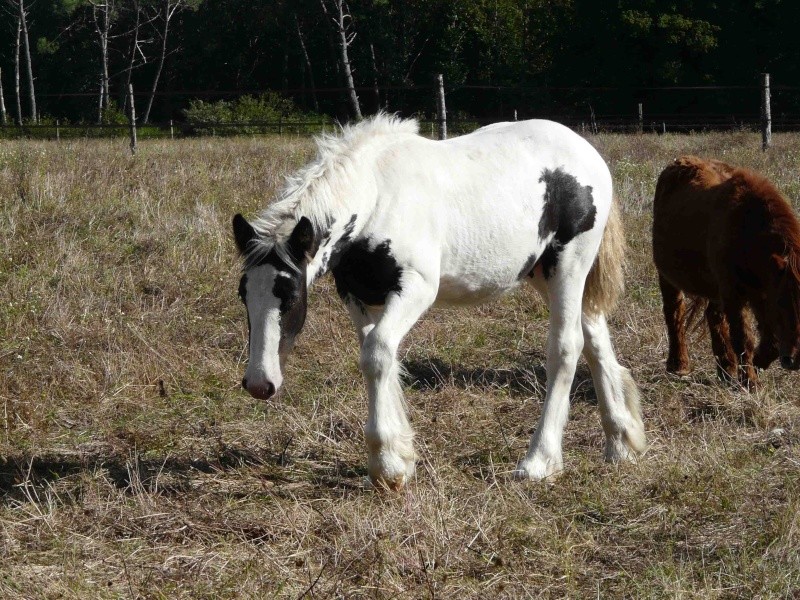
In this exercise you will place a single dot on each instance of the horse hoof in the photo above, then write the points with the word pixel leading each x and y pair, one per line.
pixel 679 371
pixel 538 469
pixel 382 484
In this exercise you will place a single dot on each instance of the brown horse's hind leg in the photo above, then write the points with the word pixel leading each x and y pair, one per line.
pixel 742 344
pixel 675 317
pixel 721 343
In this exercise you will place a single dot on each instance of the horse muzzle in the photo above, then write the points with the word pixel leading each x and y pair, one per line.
pixel 263 390
pixel 791 363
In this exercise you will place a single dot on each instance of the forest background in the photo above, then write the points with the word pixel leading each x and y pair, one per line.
pixel 73 59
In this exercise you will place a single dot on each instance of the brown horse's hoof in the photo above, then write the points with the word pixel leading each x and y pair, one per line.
pixel 679 370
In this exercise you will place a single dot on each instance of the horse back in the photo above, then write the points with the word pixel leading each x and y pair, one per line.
pixel 715 226
pixel 684 207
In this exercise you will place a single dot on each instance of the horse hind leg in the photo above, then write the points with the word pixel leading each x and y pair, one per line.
pixel 719 331
pixel 564 343
pixel 617 393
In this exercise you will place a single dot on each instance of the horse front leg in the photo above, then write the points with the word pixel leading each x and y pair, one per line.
pixel 767 350
pixel 363 317
pixel 388 434
pixel 742 344
pixel 719 331
pixel 564 345
pixel 674 307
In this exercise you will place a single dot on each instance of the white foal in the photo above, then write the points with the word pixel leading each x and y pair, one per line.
pixel 404 223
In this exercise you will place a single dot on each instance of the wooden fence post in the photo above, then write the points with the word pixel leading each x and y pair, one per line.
pixel 133 118
pixel 171 130
pixel 58 133
pixel 441 111
pixel 766 113
pixel 641 118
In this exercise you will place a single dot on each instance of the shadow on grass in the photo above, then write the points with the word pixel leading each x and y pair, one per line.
pixel 170 475
pixel 435 374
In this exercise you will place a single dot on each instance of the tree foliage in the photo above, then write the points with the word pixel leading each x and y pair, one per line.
pixel 227 48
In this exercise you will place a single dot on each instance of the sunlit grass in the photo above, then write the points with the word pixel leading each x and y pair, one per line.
pixel 131 464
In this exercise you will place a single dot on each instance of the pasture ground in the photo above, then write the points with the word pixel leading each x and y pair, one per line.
pixel 133 466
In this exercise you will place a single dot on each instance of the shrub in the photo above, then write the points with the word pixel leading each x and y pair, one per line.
pixel 268 112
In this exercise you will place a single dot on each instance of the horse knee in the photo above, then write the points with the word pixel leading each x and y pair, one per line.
pixel 377 357
pixel 567 347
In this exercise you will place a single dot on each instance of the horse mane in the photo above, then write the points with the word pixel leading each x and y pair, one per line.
pixel 313 190
pixel 782 218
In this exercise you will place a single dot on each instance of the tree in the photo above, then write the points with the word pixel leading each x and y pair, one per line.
pixel 165 11
pixel 21 15
pixel 341 19
pixel 103 14
pixel 308 67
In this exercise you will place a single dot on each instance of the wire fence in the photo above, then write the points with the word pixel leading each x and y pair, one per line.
pixel 585 109
pixel 658 124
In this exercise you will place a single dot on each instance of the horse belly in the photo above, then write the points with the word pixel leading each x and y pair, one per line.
pixel 470 277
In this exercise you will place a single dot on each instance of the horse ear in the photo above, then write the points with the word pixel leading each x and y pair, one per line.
pixel 243 233
pixel 302 242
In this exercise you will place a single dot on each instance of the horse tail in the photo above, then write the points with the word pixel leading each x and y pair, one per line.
pixel 606 281
pixel 695 312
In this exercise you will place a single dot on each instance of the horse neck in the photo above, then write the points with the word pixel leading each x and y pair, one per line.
pixel 342 200
pixel 337 228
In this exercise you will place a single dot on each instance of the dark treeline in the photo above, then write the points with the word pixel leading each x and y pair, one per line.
pixel 538 56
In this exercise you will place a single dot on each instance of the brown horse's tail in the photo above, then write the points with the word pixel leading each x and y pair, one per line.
pixel 606 282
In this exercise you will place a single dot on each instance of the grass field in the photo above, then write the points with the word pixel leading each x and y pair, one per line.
pixel 133 466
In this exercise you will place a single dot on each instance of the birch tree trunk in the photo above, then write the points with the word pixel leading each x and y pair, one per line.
pixel 16 73
pixel 26 42
pixel 308 63
pixel 169 11
pixel 3 114
pixel 344 40
pixel 375 88
pixel 134 50
pixel 102 26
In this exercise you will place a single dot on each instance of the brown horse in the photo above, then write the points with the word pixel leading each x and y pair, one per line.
pixel 728 238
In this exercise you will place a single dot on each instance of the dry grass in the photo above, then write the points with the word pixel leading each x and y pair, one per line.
pixel 131 464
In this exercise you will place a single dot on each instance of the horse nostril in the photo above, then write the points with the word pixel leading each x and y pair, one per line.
pixel 260 391
pixel 244 383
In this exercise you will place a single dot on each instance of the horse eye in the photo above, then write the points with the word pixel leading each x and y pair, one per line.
pixel 285 289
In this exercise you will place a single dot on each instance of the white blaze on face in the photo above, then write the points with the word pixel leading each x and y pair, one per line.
pixel 263 310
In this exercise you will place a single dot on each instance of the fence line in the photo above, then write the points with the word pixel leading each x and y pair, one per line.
pixel 584 124
pixel 638 120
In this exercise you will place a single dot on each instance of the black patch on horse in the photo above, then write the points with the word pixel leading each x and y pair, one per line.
pixel 286 289
pixel 243 297
pixel 293 295
pixel 568 211
pixel 528 267
pixel 347 233
pixel 243 289
pixel 549 259
pixel 272 258
pixel 367 275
